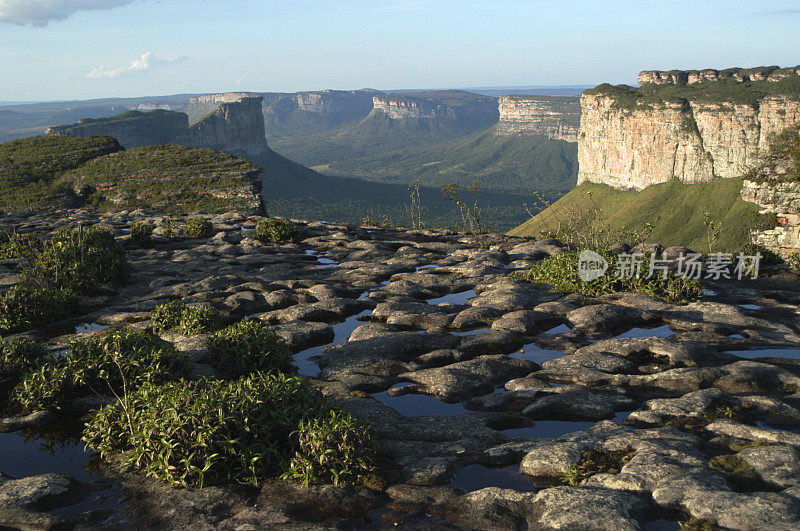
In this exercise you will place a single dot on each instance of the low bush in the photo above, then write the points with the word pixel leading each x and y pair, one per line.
pixel 276 231
pixel 23 307
pixel 205 432
pixel 561 271
pixel 17 358
pixel 246 347
pixel 595 462
pixel 175 314
pixel 112 363
pixel 16 245
pixel 78 259
pixel 141 233
pixel 333 449
pixel 198 228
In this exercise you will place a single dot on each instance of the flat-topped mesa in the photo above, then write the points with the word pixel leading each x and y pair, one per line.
pixel 334 101
pixel 732 75
pixel 453 105
pixel 631 138
pixel 551 116
pixel 235 124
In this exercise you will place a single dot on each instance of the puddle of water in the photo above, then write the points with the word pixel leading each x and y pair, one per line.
pixel 417 405
pixel 708 292
pixel 792 353
pixel 476 477
pixel 556 428
pixel 560 329
pixel 341 333
pixel 325 263
pixel 22 457
pixel 455 298
pixel 663 525
pixel 659 331
pixel 89 327
pixel 736 336
pixel 535 353
pixel 750 306
pixel 791 429
pixel 427 266
pixel 472 332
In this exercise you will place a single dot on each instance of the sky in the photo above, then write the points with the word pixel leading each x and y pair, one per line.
pixel 83 49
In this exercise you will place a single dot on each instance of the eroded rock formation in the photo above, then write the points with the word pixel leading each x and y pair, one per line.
pixel 735 75
pixel 550 116
pixel 456 105
pixel 234 123
pixel 632 140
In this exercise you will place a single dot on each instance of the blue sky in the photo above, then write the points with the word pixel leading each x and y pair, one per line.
pixel 79 49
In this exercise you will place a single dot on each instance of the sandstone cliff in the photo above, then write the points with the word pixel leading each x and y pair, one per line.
pixel 449 105
pixel 632 138
pixel 734 75
pixel 553 117
pixel 235 125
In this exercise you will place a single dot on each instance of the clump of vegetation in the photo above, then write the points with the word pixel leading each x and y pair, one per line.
pixel 17 358
pixel 23 307
pixel 595 462
pixel 783 160
pixel 246 347
pixel 276 231
pixel 111 363
pixel 19 246
pixel 142 233
pixel 78 259
pixel 699 524
pixel 794 261
pixel 470 211
pixel 198 228
pixel 205 432
pixel 561 271
pixel 723 408
pixel 737 471
pixel 175 314
pixel 333 449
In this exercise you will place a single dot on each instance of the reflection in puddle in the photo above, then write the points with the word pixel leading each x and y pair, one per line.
pixel 660 331
pixel 89 327
pixel 417 405
pixel 560 329
pixel 476 477
pixel 535 353
pixel 455 298
pixel 341 333
pixel 21 457
pixel 708 292
pixel 472 332
pixel 553 429
pixel 663 525
pixel 427 266
pixel 751 306
pixel 791 353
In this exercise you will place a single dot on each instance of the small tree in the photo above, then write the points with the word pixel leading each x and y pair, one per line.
pixel 470 215
pixel 414 210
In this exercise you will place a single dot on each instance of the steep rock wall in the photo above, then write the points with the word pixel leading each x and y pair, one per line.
pixel 452 105
pixel 235 125
pixel 632 146
pixel 553 117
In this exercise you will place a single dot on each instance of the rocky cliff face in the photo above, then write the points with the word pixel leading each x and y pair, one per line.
pixel 235 125
pixel 553 117
pixel 633 138
pixel 733 75
pixel 452 105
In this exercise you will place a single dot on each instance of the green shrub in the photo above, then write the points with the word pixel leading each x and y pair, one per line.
pixel 276 231
pixel 175 314
pixel 23 307
pixel 113 363
pixel 737 471
pixel 141 233
pixel 17 357
pixel 332 449
pixel 245 347
pixel 204 432
pixel 561 271
pixel 79 259
pixel 199 228
pixel 16 245
pixel 595 462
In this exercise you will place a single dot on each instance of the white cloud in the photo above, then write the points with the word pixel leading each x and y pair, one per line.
pixel 42 12
pixel 148 61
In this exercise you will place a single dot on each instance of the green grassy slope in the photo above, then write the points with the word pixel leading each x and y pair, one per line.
pixel 509 163
pixel 676 211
